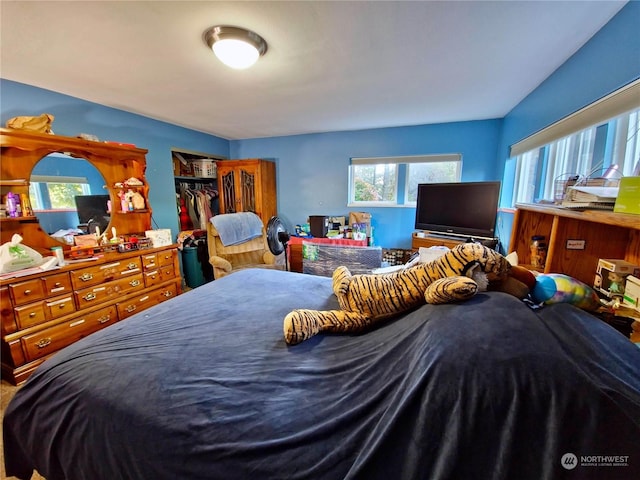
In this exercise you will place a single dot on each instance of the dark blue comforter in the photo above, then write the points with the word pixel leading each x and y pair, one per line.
pixel 204 387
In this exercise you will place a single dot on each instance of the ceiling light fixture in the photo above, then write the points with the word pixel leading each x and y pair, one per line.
pixel 235 47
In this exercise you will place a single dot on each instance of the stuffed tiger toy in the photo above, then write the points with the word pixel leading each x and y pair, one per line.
pixel 367 299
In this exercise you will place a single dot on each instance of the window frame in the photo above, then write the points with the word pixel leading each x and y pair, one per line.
pixel 402 163
pixel 41 190
pixel 611 143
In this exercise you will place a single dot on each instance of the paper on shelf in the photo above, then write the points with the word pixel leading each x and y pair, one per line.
pixel 592 194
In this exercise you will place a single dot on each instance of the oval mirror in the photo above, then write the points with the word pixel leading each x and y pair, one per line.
pixel 68 196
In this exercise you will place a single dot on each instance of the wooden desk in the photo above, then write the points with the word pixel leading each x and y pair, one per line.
pixel 432 241
pixel 295 248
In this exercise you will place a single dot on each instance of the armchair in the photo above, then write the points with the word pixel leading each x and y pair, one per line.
pixel 247 253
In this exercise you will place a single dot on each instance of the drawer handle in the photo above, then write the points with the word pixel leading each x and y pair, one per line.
pixel 61 306
pixel 134 283
pixel 85 277
pixel 32 314
pixel 104 319
pixel 45 342
pixel 27 292
pixel 130 308
pixel 89 296
pixel 132 266
pixel 168 293
pixel 76 323
pixel 58 284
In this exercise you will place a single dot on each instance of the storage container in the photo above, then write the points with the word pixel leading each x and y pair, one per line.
pixel 205 168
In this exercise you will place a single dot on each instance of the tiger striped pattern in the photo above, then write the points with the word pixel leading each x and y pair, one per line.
pixel 450 289
pixel 366 299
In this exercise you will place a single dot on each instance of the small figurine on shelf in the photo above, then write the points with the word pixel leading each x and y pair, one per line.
pixel 137 200
pixel 124 203
pixel 616 283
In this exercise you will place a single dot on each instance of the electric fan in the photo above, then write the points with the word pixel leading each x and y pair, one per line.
pixel 277 238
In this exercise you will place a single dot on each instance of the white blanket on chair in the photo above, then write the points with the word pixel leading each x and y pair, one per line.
pixel 235 228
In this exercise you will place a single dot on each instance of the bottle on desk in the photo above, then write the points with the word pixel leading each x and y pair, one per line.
pixel 538 249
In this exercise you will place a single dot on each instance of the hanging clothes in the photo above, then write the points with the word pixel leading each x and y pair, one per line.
pixel 200 203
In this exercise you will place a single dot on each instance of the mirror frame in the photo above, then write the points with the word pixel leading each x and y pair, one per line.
pixel 21 150
pixel 63 168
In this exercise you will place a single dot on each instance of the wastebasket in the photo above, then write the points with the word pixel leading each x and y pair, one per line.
pixel 193 275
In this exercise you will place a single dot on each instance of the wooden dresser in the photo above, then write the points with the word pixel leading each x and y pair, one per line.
pixel 42 313
pixel 45 311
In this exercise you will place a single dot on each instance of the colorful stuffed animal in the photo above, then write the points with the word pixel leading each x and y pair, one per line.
pixel 553 288
pixel 367 299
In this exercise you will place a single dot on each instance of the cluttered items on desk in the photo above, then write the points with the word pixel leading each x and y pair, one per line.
pixel 357 227
pixel 89 245
pixel 18 259
pixel 619 195
pixel 590 197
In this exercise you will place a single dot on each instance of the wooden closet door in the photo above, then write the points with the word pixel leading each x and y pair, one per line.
pixel 248 186
pixel 227 185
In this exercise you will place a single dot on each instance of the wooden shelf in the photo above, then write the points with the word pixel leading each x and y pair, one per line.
pixel 29 219
pixel 185 178
pixel 604 217
pixel 20 182
pixel 601 234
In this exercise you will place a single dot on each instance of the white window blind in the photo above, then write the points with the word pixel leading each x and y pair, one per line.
pixel 621 101
pixel 445 157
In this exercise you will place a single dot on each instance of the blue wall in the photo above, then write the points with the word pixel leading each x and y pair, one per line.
pixel 74 116
pixel 312 169
pixel 608 61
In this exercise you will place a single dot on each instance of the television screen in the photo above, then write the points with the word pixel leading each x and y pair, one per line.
pixel 92 211
pixel 462 209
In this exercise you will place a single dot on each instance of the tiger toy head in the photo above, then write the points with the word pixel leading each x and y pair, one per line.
pixel 366 299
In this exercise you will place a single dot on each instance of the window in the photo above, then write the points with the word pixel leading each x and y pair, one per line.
pixel 602 138
pixel 540 174
pixel 391 181
pixel 56 193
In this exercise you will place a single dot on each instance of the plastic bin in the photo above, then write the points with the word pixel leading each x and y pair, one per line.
pixel 193 275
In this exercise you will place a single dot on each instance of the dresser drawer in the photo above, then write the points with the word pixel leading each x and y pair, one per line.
pixel 52 339
pixel 39 312
pixel 59 306
pixel 166 293
pixel 149 261
pixel 57 284
pixel 99 274
pixel 167 273
pixel 159 275
pixel 166 257
pixel 152 278
pixel 30 315
pixel 27 292
pixel 146 300
pixel 108 291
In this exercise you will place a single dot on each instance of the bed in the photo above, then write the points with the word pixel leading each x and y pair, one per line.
pixel 204 387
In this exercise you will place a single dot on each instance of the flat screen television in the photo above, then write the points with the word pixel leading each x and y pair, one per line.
pixel 92 211
pixel 465 209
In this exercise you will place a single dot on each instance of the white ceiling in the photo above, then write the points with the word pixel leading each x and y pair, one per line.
pixel 330 66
